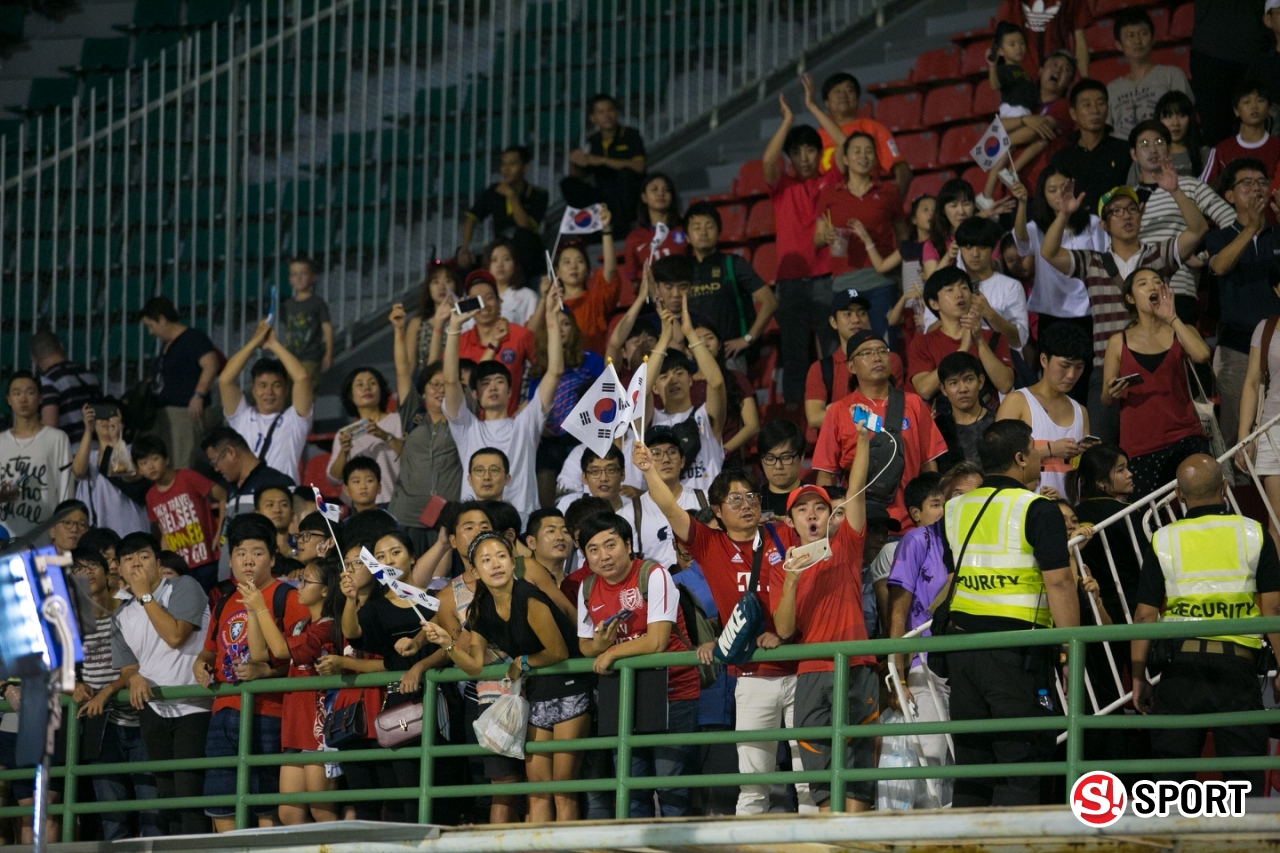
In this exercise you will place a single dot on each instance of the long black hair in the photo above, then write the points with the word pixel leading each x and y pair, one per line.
pixel 482 593
pixel 1093 475
pixel 673 213
pixel 1177 103
pixel 1043 215
pixel 329 568
pixel 956 189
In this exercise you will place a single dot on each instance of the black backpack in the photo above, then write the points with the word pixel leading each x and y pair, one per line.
pixel 887 463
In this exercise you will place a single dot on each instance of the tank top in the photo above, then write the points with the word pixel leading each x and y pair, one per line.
pixel 1163 398
pixel 1053 472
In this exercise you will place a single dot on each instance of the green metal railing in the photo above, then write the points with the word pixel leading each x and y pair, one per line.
pixel 1075 722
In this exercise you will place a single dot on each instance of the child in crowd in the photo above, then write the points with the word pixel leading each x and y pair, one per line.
pixel 949 293
pixel 275 503
pixel 1019 92
pixel 304 325
pixel 1000 300
pixel 962 382
pixel 361 481
pixel 1251 104
pixel 185 507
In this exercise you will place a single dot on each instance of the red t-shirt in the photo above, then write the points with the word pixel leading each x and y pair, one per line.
pixel 726 564
pixel 1231 148
pixel 795 209
pixel 635 251
pixel 887 153
pixel 228 639
pixel 932 347
pixel 607 599
pixel 515 351
pixel 185 519
pixel 843 383
pixel 921 442
pixel 828 596
pixel 1047 30
pixel 302 722
pixel 878 210
pixel 593 307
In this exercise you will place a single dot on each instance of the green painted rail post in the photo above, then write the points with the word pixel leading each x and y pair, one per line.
pixel 69 710
pixel 243 751
pixel 1075 702
pixel 426 768
pixel 626 719
pixel 839 722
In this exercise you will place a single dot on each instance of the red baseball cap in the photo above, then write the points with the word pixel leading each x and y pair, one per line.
pixel 797 494
pixel 479 275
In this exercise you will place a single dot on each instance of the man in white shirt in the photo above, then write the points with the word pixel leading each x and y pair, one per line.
pixel 274 433
pixel 155 639
pixel 517 436
pixel 654 538
pixel 35 460
pixel 672 378
pixel 602 478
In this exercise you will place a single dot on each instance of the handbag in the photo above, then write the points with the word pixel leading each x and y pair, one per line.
pixel 937 661
pixel 398 725
pixel 737 642
pixel 343 725
pixel 1204 410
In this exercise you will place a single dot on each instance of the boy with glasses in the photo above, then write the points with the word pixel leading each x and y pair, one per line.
pixel 781 445
pixel 654 538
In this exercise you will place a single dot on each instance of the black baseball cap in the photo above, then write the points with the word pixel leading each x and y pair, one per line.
pixel 844 298
pixel 858 338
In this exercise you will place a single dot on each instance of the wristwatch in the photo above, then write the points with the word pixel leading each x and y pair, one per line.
pixel 747 337
pixel 524 663
pixel 147 598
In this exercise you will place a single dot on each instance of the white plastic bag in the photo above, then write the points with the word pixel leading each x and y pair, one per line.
pixel 503 727
pixel 899 751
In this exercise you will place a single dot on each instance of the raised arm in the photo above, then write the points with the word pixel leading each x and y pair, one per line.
pixel 1019 192
pixel 676 515
pixel 555 351
pixel 618 337
pixel 610 267
pixel 656 356
pixel 404 367
pixel 453 392
pixel 80 461
pixel 303 394
pixel 265 640
pixel 229 379
pixel 1197 226
pixel 773 151
pixel 717 395
pixel 855 507
pixel 824 118
pixel 1051 247
pixel 1194 346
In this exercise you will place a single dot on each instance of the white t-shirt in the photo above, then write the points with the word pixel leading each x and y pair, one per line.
pixel 134 641
pixel 287 441
pixel 108 506
pixel 518 304
pixel 710 459
pixel 662 604
pixel 41 467
pixel 655 539
pixel 569 482
pixel 1006 296
pixel 377 450
pixel 517 437
pixel 1053 293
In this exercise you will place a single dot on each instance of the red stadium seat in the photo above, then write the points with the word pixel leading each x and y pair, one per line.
pixel 866 109
pixel 760 220
pixel 957 143
pixel 1100 36
pixel 1106 70
pixel 1182 22
pixel 733 222
pixel 750 181
pixel 936 65
pixel 1179 57
pixel 976 178
pixel 946 104
pixel 1110 7
pixel 316 473
pixel 765 262
pixel 900 112
pixel 926 185
pixel 974 60
pixel 919 149
pixel 1160 19
pixel 986 101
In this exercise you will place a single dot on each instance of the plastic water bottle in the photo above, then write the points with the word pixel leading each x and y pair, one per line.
pixel 1042 697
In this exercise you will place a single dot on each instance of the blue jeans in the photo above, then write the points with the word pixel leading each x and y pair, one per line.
pixel 223 741
pixel 121 744
pixel 682 718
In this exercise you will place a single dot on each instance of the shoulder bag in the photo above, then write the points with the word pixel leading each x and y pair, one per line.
pixel 937 661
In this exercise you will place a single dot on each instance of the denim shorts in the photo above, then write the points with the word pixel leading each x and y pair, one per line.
pixel 223 740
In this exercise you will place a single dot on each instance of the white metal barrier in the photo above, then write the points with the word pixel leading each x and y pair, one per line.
pixel 353 131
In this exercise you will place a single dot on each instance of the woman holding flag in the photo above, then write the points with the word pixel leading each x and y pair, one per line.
pixel 590 296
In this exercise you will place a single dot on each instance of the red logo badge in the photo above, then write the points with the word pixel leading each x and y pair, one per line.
pixel 1098 799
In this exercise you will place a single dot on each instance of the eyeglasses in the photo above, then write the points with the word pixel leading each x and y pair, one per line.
pixel 607 471
pixel 671 453
pixel 871 353
pixel 74 525
pixel 1256 183
pixel 1158 142
pixel 1127 210
pixel 83 569
pixel 784 459
pixel 352 565
pixel 307 535
pixel 492 471
pixel 437 386
pixel 303 583
pixel 735 501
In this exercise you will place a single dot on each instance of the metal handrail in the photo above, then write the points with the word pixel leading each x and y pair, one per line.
pixel 1076 722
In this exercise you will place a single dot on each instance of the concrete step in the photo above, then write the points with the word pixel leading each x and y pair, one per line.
pixel 91 20
pixel 43 58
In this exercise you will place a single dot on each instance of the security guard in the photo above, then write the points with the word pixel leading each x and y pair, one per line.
pixel 1014 574
pixel 1210 565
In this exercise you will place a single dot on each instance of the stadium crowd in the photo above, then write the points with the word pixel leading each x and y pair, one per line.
pixel 1045 348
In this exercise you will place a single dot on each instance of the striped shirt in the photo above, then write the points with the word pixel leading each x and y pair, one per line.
pixel 1161 219
pixel 1105 302
pixel 69 386
pixel 97 671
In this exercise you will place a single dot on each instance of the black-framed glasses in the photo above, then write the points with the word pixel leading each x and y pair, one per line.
pixel 303 583
pixel 779 459
pixel 1257 183
pixel 607 471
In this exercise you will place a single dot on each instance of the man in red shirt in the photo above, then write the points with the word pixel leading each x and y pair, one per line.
pixel 493 338
pixel 804 270
pixel 831 378
pixel 619 616
pixel 841 93
pixel 821 603
pixel 765 693
pixel 918 440
pixel 229 658
pixel 949 294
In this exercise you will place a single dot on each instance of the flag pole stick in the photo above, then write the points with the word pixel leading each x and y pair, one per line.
pixel 1012 168
pixel 327 523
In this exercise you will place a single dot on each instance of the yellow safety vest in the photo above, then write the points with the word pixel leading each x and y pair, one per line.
pixel 999 575
pixel 1210 567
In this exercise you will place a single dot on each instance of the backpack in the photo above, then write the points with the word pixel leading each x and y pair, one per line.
pixel 887 463
pixel 228 586
pixel 707 673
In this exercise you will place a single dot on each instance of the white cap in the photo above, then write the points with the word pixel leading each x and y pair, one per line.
pixel 1269 5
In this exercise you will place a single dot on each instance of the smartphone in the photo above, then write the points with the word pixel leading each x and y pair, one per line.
pixel 466 306
pixel 104 411
pixel 815 551
pixel 1091 439
pixel 1133 379
pixel 617 617
pixel 867 419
